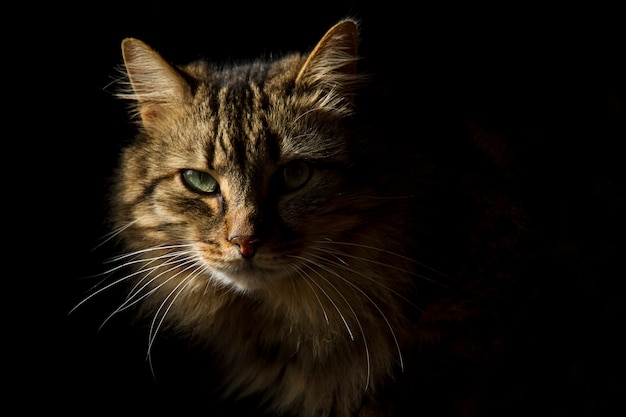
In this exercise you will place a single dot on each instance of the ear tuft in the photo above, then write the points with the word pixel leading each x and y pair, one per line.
pixel 333 60
pixel 154 84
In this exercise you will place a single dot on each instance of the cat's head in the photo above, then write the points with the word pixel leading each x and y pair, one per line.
pixel 239 172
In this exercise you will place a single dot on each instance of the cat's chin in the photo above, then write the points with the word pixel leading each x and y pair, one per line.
pixel 245 280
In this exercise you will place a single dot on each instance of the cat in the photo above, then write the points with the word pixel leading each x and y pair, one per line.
pixel 276 214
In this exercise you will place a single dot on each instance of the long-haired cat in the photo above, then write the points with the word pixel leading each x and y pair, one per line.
pixel 309 250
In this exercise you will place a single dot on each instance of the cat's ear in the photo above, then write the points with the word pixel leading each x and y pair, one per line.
pixel 156 86
pixel 332 63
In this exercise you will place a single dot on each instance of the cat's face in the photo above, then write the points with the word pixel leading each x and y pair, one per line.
pixel 241 173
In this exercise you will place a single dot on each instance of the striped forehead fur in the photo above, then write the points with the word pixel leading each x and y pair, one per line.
pixel 255 95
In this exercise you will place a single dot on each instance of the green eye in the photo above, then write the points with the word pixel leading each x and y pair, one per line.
pixel 295 174
pixel 199 181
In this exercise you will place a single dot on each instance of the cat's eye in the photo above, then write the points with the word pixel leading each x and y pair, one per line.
pixel 295 174
pixel 200 181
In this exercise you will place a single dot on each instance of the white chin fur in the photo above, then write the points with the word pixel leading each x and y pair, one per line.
pixel 243 282
pixel 227 281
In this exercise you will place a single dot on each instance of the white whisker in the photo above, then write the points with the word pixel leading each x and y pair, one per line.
pixel 306 278
pixel 367 352
pixel 355 271
pixel 175 260
pixel 377 249
pixel 176 292
pixel 144 269
pixel 100 290
pixel 118 267
pixel 107 237
pixel 343 319
pixel 152 334
pixel 382 314
pixel 150 249
pixel 387 265
pixel 134 296
pixel 184 282
pixel 147 261
pixel 128 263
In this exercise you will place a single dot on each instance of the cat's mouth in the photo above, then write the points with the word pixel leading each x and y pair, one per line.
pixel 247 274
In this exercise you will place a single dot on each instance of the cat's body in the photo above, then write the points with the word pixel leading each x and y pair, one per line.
pixel 270 224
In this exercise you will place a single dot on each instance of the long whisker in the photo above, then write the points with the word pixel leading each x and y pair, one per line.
pixel 382 314
pixel 343 319
pixel 97 290
pixel 107 237
pixel 377 249
pixel 135 261
pixel 393 333
pixel 344 265
pixel 100 290
pixel 367 352
pixel 176 292
pixel 128 263
pixel 306 279
pixel 134 296
pixel 150 249
pixel 386 265
pixel 175 259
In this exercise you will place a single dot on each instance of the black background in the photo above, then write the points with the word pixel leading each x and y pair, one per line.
pixel 554 76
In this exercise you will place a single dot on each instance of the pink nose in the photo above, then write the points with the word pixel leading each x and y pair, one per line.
pixel 247 245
